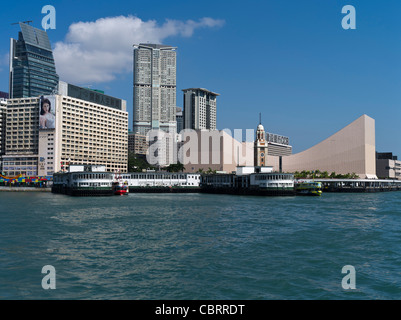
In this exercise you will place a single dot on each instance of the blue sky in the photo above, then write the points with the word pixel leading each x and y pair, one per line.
pixel 290 60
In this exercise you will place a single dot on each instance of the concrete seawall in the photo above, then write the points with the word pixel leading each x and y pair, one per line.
pixel 24 189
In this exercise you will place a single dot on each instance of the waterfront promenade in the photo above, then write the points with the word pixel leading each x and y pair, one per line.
pixel 25 189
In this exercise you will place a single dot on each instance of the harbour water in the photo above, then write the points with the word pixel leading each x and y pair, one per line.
pixel 200 246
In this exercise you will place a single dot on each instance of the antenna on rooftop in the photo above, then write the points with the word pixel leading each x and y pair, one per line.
pixel 260 118
pixel 27 22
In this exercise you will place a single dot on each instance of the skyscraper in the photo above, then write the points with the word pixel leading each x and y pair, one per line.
pixel 154 88
pixel 32 68
pixel 199 109
pixel 180 119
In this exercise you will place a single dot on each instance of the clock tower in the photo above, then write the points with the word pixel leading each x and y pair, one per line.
pixel 260 147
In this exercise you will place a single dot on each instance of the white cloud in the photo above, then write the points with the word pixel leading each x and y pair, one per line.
pixel 98 51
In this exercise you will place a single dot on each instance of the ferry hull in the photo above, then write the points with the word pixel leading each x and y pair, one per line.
pixel 82 192
pixel 120 192
pixel 309 193
pixel 249 191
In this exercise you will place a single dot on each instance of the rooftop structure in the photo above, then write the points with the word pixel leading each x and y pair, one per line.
pixel 91 95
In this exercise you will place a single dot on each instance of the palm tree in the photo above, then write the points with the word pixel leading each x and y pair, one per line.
pixel 354 176
pixel 324 175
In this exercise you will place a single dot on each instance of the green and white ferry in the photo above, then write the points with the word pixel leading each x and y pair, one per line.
pixel 261 181
pixel 83 180
pixel 308 188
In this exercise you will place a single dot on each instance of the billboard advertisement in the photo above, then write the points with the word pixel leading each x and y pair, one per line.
pixel 47 112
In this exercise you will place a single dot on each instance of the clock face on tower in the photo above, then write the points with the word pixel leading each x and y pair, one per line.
pixel 262 154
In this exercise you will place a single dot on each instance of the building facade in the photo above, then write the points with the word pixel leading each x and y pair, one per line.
pixel 217 150
pixel 3 96
pixel 154 89
pixel 32 67
pixel 350 150
pixel 388 166
pixel 137 143
pixel 3 115
pixel 180 119
pixel 200 109
pixel 79 132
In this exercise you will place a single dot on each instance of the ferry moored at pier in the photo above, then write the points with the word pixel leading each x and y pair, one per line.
pixel 81 180
pixel 308 188
pixel 260 181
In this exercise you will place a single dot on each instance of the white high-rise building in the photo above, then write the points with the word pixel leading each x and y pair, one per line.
pixel 3 115
pixel 199 109
pixel 154 89
pixel 73 131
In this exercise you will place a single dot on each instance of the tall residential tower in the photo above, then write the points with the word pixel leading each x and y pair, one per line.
pixel 199 109
pixel 154 88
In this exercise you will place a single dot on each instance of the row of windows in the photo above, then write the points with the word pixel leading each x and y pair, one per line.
pixel 91 176
pixel 273 177
pixel 159 176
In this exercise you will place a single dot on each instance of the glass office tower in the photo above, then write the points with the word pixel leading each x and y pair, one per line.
pixel 32 68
